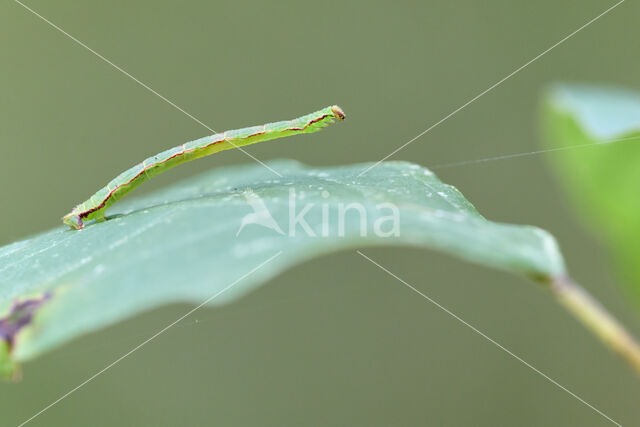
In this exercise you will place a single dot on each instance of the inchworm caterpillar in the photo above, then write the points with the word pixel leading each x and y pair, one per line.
pixel 96 205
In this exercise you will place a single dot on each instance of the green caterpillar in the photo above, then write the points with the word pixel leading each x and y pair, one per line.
pixel 96 205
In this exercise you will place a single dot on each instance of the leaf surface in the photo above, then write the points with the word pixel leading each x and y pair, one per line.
pixel 186 243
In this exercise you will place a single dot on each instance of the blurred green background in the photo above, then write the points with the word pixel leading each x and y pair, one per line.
pixel 335 341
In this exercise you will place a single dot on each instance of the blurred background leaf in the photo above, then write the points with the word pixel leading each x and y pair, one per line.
pixel 597 131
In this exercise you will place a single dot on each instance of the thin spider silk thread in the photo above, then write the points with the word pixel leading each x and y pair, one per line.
pixel 529 153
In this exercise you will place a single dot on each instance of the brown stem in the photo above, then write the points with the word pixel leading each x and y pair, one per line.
pixel 596 318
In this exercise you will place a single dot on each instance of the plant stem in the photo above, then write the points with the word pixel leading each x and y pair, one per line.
pixel 596 318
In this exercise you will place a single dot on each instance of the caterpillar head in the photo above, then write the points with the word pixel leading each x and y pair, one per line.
pixel 337 111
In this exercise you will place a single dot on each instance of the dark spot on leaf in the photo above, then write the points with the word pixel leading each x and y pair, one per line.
pixel 19 316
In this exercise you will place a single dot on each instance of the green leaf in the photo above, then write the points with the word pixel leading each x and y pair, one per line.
pixel 603 177
pixel 184 243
